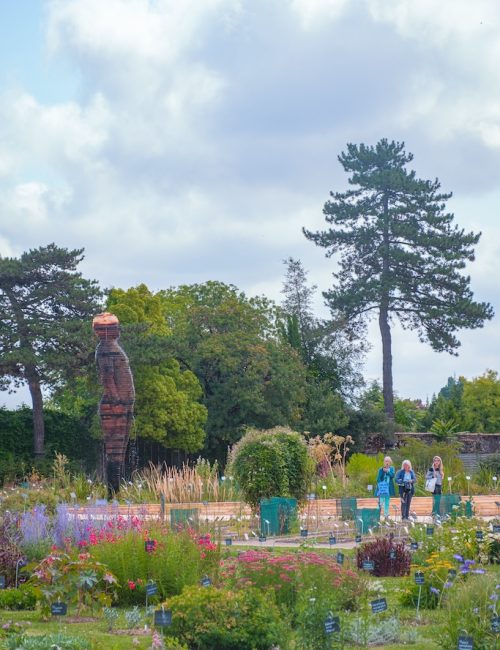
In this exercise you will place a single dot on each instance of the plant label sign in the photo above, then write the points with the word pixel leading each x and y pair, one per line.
pixel 392 554
pixel 379 605
pixel 465 643
pixel 414 546
pixel 163 618
pixel 368 565
pixel 2 582
pixel 304 532
pixel 262 538
pixel 358 539
pixel 430 531
pixel 205 582
pixel 419 578
pixel 340 558
pixel 229 541
pixel 496 528
pixel 332 540
pixel 151 589
pixel 59 609
pixel 332 624
pixel 495 624
pixel 149 545
pixel 479 535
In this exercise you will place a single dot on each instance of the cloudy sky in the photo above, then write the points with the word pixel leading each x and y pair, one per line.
pixel 179 141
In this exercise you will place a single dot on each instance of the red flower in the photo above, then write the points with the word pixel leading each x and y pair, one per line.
pixel 131 584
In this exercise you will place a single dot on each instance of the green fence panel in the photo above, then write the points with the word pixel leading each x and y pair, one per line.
pixel 184 518
pixel 366 519
pixel 277 515
pixel 347 507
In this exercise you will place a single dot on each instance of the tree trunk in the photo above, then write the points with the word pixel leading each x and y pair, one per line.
pixel 387 389
pixel 38 423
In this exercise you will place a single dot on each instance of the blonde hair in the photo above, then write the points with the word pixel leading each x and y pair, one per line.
pixel 440 463
pixel 389 459
pixel 404 463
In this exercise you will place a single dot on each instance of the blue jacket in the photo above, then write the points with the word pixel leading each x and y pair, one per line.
pixel 400 480
pixel 381 476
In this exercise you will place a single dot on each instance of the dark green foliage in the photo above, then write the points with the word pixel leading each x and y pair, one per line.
pixel 207 618
pixel 271 463
pixel 399 253
pixel 378 552
pixel 45 311
pixel 63 433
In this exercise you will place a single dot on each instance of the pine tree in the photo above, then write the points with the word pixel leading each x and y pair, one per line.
pixel 400 255
pixel 45 329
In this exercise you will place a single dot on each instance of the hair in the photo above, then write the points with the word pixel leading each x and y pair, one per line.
pixel 404 463
pixel 440 462
pixel 388 458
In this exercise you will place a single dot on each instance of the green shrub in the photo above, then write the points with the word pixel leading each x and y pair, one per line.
pixel 271 463
pixel 206 618
pixel 363 469
pixel 16 599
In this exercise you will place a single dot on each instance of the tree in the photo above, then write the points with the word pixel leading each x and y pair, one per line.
pixel 399 253
pixel 481 403
pixel 249 375
pixel 45 311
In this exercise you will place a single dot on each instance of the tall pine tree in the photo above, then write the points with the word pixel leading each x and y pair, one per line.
pixel 45 329
pixel 400 255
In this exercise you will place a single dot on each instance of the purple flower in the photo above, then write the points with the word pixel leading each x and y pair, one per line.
pixel 435 591
pixel 464 570
pixel 481 571
pixel 458 557
pixel 447 585
pixel 469 562
pixel 494 597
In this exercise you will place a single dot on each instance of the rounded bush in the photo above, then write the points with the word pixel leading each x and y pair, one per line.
pixel 206 618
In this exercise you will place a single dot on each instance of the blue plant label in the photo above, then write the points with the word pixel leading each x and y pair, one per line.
pixel 149 545
pixel 262 538
pixel 430 530
pixel 59 609
pixel 205 582
pixel 358 539
pixel 496 528
pixel 465 643
pixel 2 582
pixel 151 589
pixel 229 541
pixel 340 558
pixel 414 546
pixel 378 605
pixel 332 624
pixel 392 554
pixel 495 624
pixel 304 532
pixel 368 565
pixel 163 618
pixel 479 535
pixel 332 540
pixel 419 578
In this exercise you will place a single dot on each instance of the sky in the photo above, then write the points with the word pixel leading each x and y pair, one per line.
pixel 180 141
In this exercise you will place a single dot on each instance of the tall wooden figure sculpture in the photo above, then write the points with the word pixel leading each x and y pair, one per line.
pixel 117 403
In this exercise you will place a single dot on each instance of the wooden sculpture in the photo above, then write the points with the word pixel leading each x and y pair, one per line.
pixel 117 403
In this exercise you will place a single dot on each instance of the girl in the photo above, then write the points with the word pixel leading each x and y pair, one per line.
pixel 436 471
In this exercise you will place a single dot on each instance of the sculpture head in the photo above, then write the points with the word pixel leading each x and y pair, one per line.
pixel 106 326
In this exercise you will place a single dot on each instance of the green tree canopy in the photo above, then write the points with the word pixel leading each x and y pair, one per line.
pixel 45 311
pixel 400 255
pixel 249 375
pixel 481 403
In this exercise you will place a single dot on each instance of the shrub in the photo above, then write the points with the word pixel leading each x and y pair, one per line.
pixel 10 552
pixel 379 550
pixel 18 599
pixel 271 463
pixel 363 469
pixel 47 642
pixel 207 618
pixel 287 575
pixel 179 559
